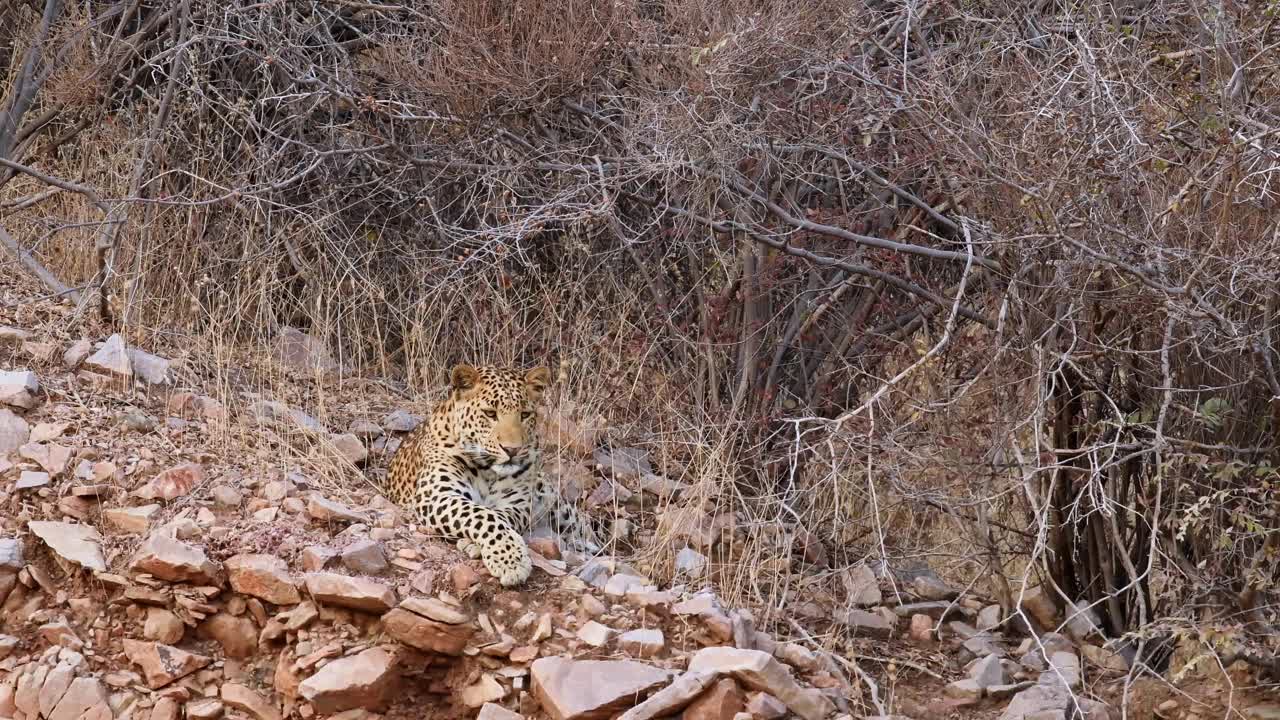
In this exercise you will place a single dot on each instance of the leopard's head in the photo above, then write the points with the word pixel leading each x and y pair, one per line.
pixel 495 413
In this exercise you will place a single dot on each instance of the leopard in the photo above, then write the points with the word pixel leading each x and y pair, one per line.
pixel 472 471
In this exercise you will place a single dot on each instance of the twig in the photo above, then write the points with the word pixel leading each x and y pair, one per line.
pixel 28 261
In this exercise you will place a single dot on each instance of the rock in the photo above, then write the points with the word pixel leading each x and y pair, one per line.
pixel 166 708
pixel 296 349
pixel 162 664
pixel 80 544
pixel 765 706
pixel 930 587
pixel 936 609
pixel 642 643
pixel 797 656
pixel 1041 608
pixel 865 623
pixel 981 645
pixel 226 496
pixel 966 689
pixel 8 644
pixel 55 684
pixel 53 458
pixel 760 671
pixel 350 448
pixel 176 482
pixel 27 693
pixel 287 417
pixel 1105 659
pixel 416 624
pixel 365 557
pixel 171 559
pixel 988 672
pixel 493 711
pixel 151 369
pixel 111 359
pixel 861 586
pixel 1083 623
pixel 592 689
pixel 204 709
pixel 14 432
pixel 325 510
pixel 722 702
pixel 163 626
pixel 61 634
pixel 12 555
pixel 236 634
pixel 82 695
pixel 130 520
pixel 483 691
pixel 989 617
pixel 921 629
pixel 401 421
pixel 76 353
pixel 30 480
pixel 1039 698
pixel 349 592
pixel 265 577
pixel 19 388
pixel 1064 667
pixel 595 634
pixel 673 698
pixel 691 563
pixel 1265 711
pixel 365 680
pixel 241 697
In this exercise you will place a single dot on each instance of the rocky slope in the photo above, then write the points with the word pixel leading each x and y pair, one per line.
pixel 160 557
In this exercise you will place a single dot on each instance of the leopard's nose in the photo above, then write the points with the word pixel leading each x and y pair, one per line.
pixel 513 451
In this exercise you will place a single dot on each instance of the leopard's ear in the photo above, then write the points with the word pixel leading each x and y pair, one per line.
pixel 464 377
pixel 537 380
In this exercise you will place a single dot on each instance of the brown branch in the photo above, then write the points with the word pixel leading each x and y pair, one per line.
pixel 33 266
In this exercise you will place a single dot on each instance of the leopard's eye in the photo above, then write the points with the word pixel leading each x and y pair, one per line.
pixel 491 414
pixel 526 414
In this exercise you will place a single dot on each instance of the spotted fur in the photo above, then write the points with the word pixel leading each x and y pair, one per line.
pixel 472 471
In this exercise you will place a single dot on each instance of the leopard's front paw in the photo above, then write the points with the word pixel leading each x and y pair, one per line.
pixel 469 548
pixel 507 558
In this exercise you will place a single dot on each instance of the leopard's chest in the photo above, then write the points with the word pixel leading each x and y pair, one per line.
pixel 493 489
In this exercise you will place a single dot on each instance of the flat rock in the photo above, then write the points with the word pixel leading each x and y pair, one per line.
pixel 365 556
pixel 365 680
pixel 350 448
pixel 761 671
pixel 55 684
pixel 111 359
pixel 171 559
pixel 643 643
pixel 162 664
pixel 325 510
pixel 1039 698
pixel 350 592
pixel 861 586
pixel 425 633
pixel 236 634
pixel 867 624
pixel 592 689
pixel 493 711
pixel 485 690
pixel 32 479
pixel 691 563
pixel 435 609
pixel 80 544
pixel 244 698
pixel 82 695
pixel 672 698
pixel 19 388
pixel 51 457
pixel 265 577
pixel 132 520
pixel 14 431
pixel 988 672
pixel 173 483
pixel 722 702
pixel 401 421
pixel 151 369
pixel 12 554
